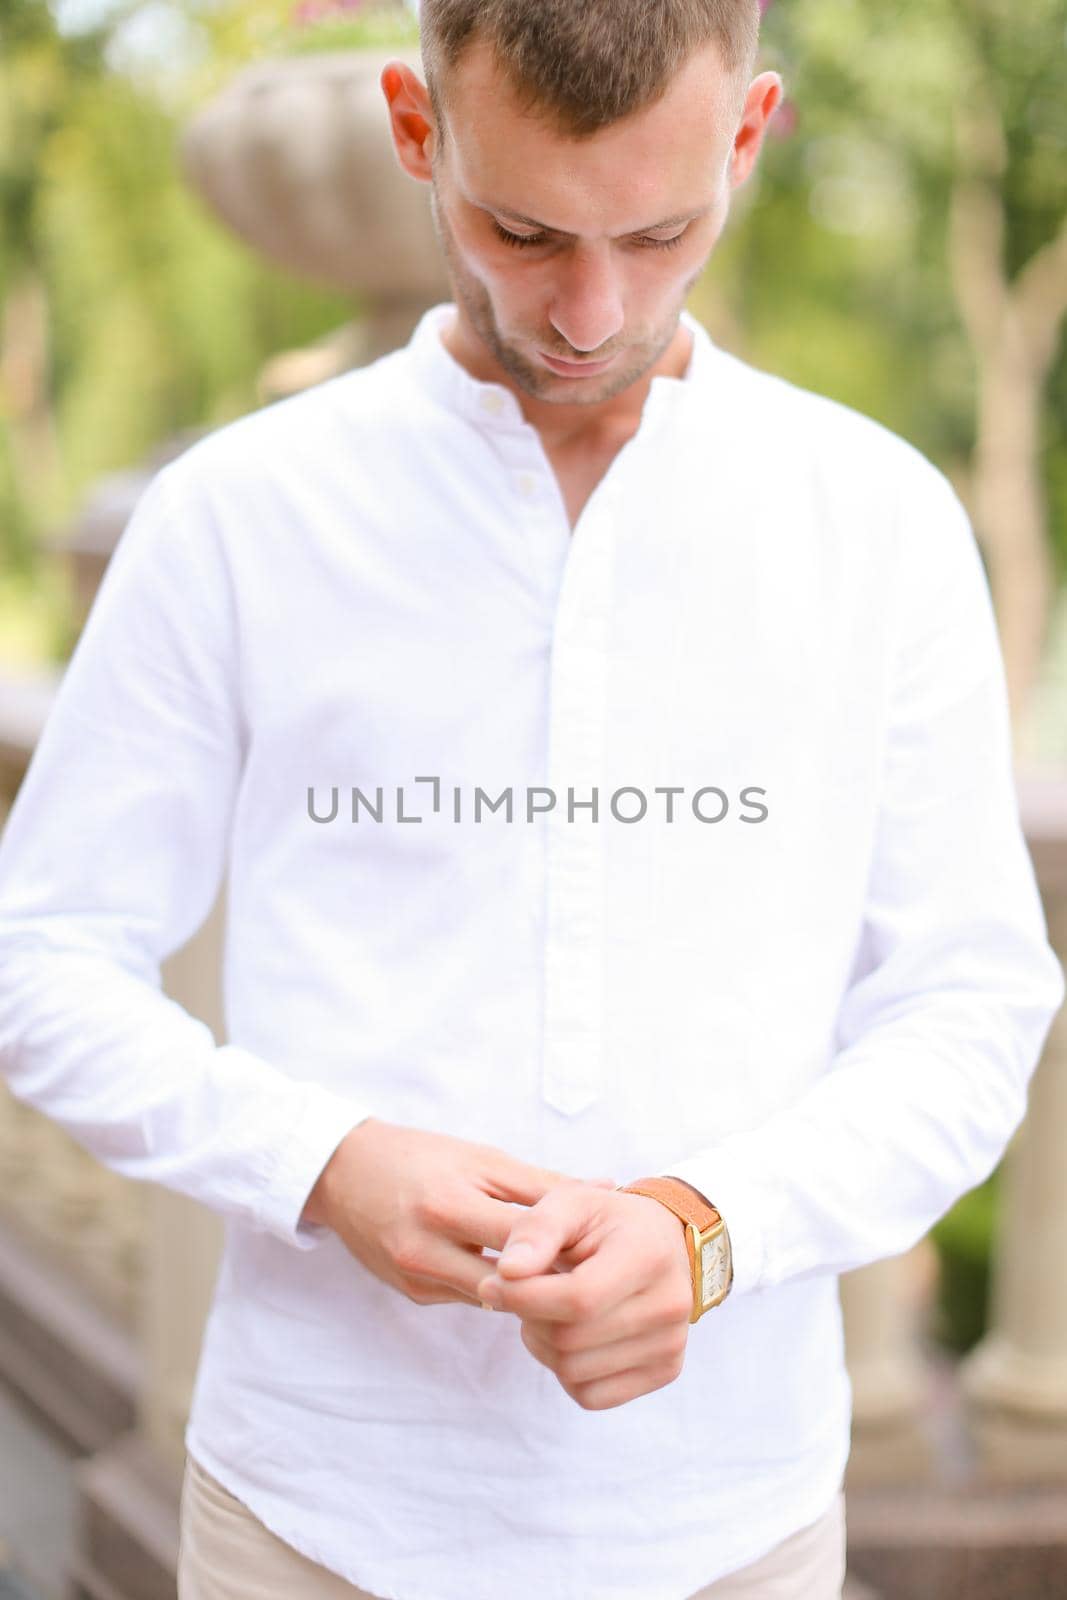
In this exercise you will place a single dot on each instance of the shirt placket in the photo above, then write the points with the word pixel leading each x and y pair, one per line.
pixel 572 1071
pixel 574 856
pixel 578 568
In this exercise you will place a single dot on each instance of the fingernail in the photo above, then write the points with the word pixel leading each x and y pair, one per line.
pixel 517 1255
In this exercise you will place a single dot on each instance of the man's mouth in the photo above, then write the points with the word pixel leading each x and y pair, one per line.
pixel 576 369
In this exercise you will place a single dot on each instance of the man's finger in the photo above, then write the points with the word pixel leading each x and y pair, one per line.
pixel 561 1227
pixel 592 1290
pixel 552 1225
pixel 475 1220
pixel 524 1184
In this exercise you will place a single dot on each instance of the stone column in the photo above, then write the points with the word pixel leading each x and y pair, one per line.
pixel 1016 1378
pixel 884 1307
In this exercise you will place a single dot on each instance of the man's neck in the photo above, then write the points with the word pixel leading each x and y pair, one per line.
pixel 564 427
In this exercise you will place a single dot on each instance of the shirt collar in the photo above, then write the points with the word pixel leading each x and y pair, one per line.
pixel 492 403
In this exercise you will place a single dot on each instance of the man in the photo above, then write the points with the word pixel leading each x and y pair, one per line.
pixel 689 682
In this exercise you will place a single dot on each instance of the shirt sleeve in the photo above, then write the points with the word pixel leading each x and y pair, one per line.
pixel 110 860
pixel 954 984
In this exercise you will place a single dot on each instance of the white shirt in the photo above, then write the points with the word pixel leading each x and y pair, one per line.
pixel 823 1009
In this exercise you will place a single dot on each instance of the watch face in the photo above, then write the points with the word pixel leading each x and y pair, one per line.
pixel 714 1268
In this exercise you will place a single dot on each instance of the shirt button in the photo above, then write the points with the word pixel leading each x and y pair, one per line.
pixel 493 402
pixel 527 484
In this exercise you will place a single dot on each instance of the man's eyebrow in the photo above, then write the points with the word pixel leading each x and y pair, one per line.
pixel 531 222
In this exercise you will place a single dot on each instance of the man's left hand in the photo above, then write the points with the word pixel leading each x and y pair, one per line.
pixel 616 1325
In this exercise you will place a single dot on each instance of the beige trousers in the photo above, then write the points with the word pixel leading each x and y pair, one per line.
pixel 225 1553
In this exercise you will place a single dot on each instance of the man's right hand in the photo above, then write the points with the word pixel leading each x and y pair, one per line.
pixel 418 1208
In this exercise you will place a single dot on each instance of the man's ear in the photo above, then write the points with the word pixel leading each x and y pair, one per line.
pixel 761 102
pixel 411 119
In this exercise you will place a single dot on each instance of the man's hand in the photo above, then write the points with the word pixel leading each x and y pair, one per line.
pixel 417 1208
pixel 617 1324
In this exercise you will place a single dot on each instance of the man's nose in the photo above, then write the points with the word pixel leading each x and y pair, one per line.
pixel 587 309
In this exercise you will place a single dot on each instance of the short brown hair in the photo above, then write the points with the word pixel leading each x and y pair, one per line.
pixel 584 64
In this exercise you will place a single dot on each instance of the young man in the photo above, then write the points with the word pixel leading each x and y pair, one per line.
pixel 690 683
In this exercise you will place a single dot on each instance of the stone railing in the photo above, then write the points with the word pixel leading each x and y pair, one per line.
pixel 53 1194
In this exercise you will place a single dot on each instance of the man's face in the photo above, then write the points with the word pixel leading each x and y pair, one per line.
pixel 601 272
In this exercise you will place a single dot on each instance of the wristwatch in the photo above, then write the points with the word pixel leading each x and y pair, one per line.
pixel 710 1258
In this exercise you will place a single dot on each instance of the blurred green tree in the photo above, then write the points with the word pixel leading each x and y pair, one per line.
pixel 922 200
pixel 127 313
pixel 39 77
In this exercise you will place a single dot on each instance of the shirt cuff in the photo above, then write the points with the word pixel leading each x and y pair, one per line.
pixel 310 1141
pixel 743 1204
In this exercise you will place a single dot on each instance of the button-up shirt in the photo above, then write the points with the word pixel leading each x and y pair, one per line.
pixel 682 843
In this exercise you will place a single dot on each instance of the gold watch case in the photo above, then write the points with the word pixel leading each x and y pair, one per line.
pixel 711 1260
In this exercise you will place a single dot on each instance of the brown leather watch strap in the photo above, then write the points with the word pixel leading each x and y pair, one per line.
pixel 679 1196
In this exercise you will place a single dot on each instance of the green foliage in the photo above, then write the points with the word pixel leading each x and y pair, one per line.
pixel 372 28
pixel 157 319
pixel 842 277
pixel 964 1240
pixel 243 31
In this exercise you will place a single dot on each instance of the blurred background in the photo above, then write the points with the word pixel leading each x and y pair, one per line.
pixel 200 212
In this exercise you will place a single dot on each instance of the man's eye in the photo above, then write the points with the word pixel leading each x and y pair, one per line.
pixel 521 239
pixel 517 238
